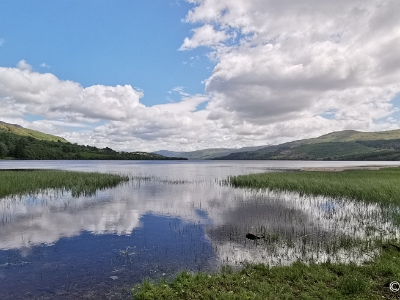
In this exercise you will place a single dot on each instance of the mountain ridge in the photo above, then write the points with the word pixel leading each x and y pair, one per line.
pixel 21 143
pixel 208 153
pixel 338 145
pixel 346 144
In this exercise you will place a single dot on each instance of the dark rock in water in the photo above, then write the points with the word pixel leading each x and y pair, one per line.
pixel 252 236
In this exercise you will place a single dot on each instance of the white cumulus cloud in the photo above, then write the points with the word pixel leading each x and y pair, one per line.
pixel 23 66
pixel 105 115
pixel 204 36
pixel 46 95
pixel 296 60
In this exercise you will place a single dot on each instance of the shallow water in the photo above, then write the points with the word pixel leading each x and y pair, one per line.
pixel 170 216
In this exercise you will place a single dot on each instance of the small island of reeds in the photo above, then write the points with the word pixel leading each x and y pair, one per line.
pixel 20 182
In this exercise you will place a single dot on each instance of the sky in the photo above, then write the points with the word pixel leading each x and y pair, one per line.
pixel 185 75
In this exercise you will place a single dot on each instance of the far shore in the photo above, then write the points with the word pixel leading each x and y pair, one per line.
pixel 340 169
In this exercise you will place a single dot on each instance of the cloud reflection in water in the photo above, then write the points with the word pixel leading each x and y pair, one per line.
pixel 305 228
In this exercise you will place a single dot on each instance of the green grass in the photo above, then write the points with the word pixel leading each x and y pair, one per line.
pixel 298 281
pixel 379 186
pixel 20 182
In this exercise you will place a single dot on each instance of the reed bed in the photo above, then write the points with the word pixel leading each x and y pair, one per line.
pixel 377 186
pixel 20 182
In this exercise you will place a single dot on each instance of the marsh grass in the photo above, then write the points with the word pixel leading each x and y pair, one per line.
pixel 377 186
pixel 20 182
pixel 298 281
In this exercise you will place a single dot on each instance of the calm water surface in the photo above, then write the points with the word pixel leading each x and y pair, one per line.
pixel 171 216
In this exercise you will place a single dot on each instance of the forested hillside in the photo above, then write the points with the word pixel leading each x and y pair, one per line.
pixel 20 143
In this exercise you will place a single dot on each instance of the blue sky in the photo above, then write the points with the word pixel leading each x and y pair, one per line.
pixel 193 74
pixel 105 42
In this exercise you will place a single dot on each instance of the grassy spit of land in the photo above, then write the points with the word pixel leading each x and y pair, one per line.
pixel 300 281
pixel 20 182
pixel 377 186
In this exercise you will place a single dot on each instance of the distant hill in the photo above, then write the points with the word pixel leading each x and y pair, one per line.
pixel 352 135
pixel 21 131
pixel 207 153
pixel 17 142
pixel 342 145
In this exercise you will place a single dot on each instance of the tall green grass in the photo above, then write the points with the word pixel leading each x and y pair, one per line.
pixel 20 182
pixel 378 186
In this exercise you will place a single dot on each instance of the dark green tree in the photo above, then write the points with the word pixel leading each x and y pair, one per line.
pixel 3 150
pixel 20 149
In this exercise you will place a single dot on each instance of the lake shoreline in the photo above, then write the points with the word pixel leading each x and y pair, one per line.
pixel 340 169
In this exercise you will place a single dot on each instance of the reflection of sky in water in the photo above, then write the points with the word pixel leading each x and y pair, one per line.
pixel 180 217
pixel 87 263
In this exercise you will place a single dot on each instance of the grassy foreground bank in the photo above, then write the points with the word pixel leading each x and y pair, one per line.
pixel 300 281
pixel 19 182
